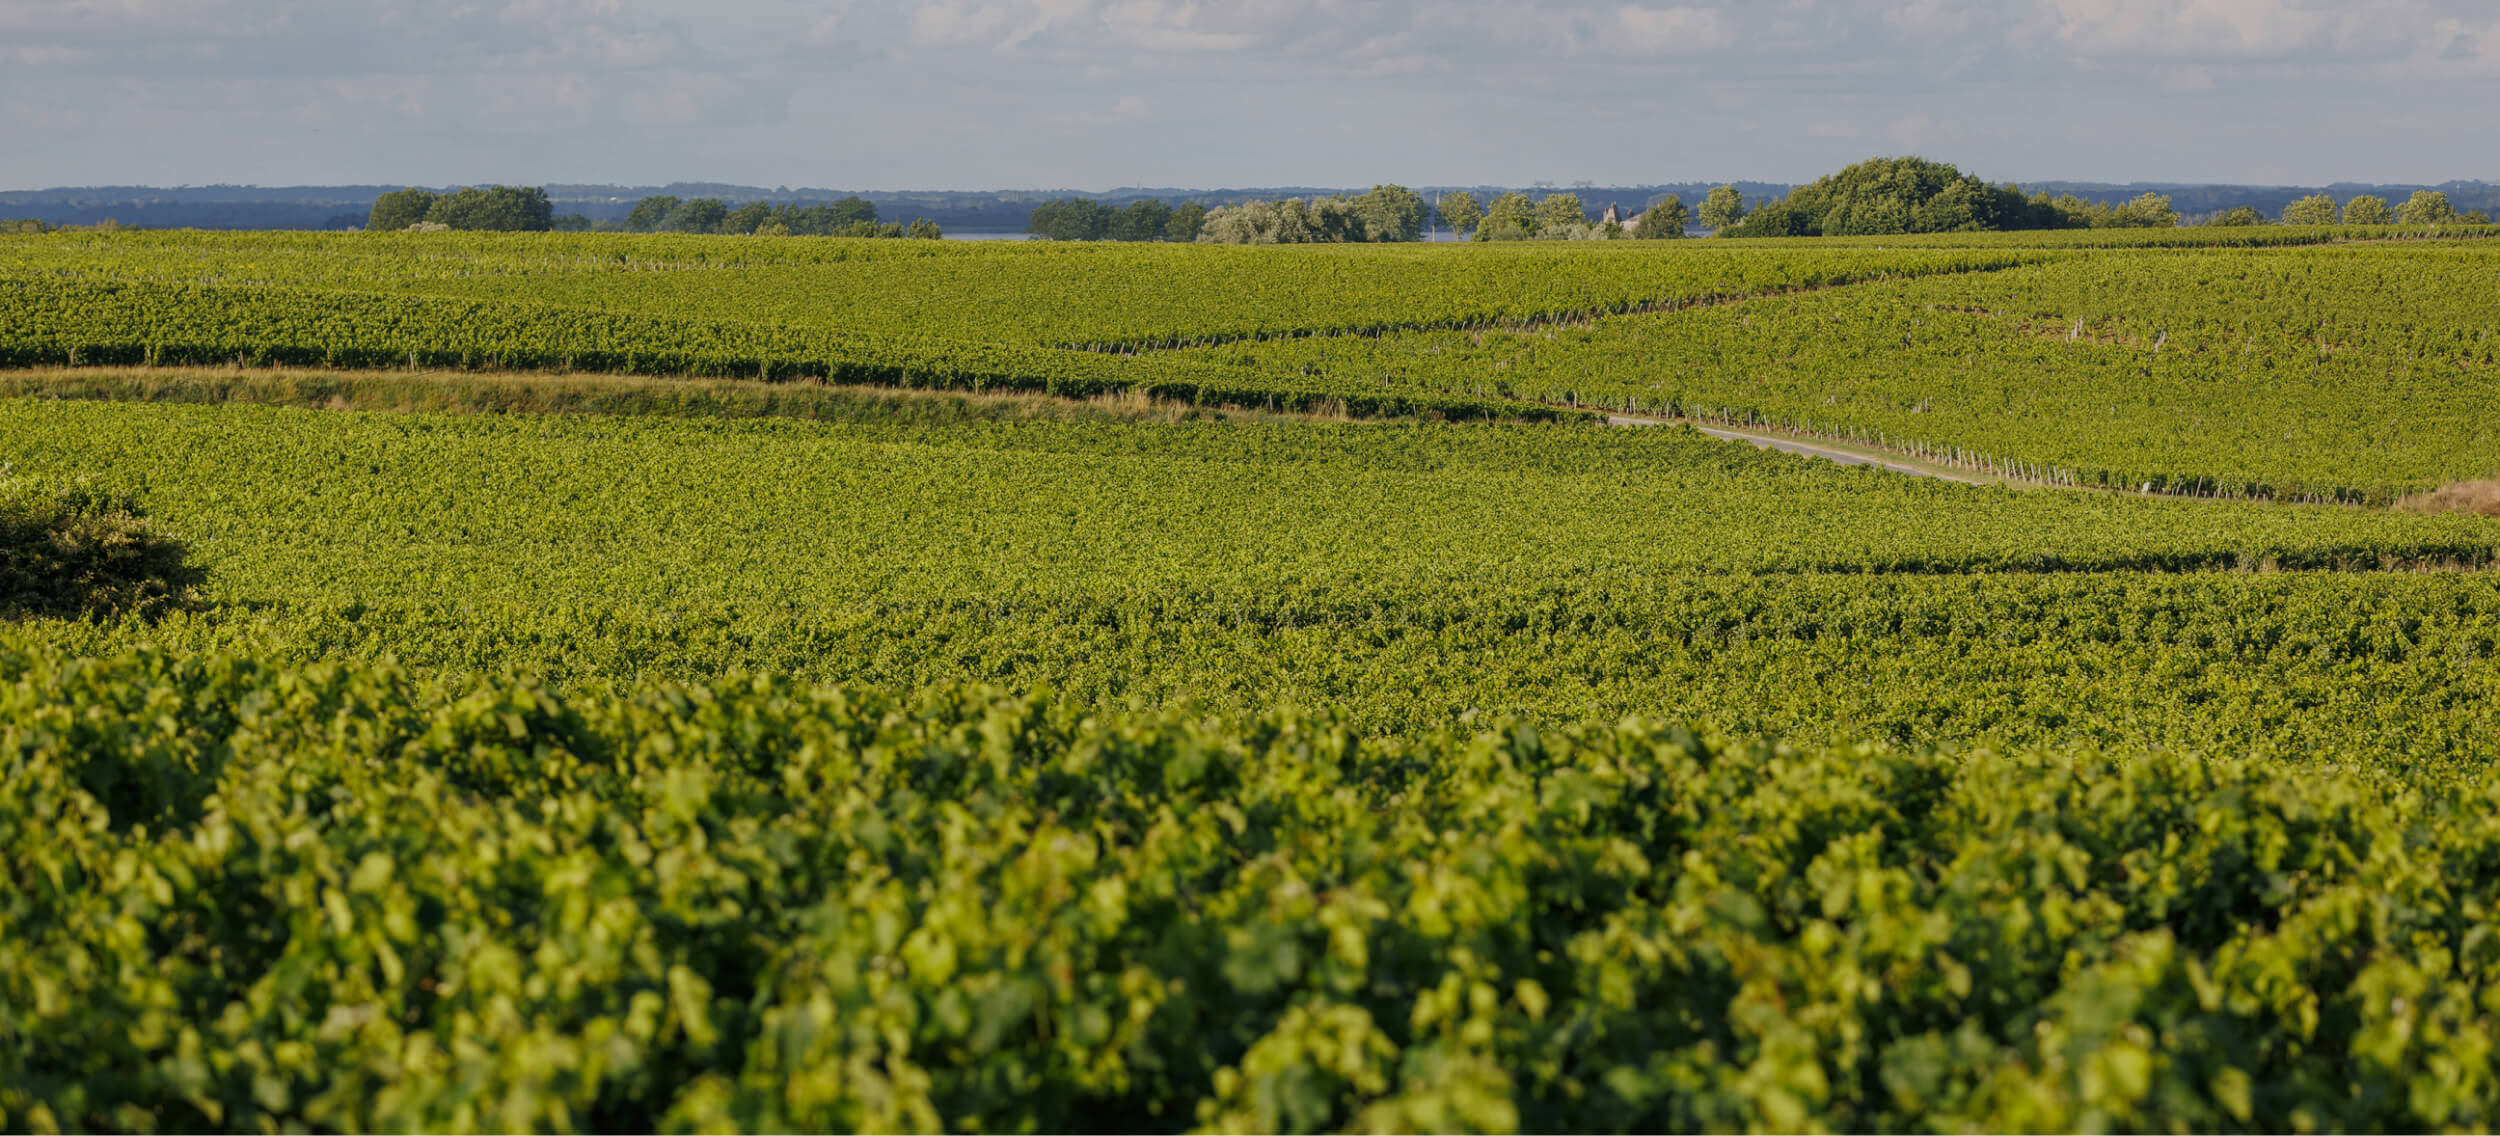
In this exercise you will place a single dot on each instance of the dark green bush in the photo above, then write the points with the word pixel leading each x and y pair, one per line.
pixel 79 549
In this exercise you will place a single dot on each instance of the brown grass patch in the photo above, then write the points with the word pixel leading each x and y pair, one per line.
pixel 2480 497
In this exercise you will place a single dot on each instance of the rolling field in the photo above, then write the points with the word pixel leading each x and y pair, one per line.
pixel 1252 688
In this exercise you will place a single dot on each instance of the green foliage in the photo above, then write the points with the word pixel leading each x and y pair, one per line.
pixel 1723 209
pixel 1071 219
pixel 1388 213
pixel 253 897
pixel 2242 215
pixel 1460 212
pixel 71 549
pixel 649 213
pixel 2427 207
pixel 2315 209
pixel 1145 219
pixel 1898 195
pixel 2368 209
pixel 1187 222
pixel 1665 220
pixel 1392 213
pixel 393 212
pixel 493 209
pixel 700 215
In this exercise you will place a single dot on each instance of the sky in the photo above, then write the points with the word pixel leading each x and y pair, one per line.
pixel 1097 94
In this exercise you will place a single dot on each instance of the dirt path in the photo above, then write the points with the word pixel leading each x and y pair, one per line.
pixel 1845 455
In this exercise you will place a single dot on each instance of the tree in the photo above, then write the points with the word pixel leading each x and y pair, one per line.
pixel 1070 219
pixel 700 215
pixel 395 211
pixel 1249 223
pixel 1143 220
pixel 1460 212
pixel 924 229
pixel 1186 223
pixel 2427 207
pixel 1511 217
pixel 1560 210
pixel 1392 213
pixel 2147 211
pixel 1666 220
pixel 649 213
pixel 851 211
pixel 2239 216
pixel 1723 209
pixel 571 223
pixel 2315 209
pixel 2368 209
pixel 498 208
pixel 747 218
pixel 2473 217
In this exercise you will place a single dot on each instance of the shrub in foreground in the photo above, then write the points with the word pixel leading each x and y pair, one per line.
pixel 76 549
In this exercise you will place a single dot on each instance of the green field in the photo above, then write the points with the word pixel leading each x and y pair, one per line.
pixel 1253 688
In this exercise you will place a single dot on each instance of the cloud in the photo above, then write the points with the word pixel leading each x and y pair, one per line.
pixel 1128 108
pixel 1019 90
pixel 1671 31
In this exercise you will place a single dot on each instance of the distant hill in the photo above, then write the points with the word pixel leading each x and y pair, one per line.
pixel 970 211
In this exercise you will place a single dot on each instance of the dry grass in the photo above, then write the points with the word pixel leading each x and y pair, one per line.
pixel 2481 497
pixel 542 393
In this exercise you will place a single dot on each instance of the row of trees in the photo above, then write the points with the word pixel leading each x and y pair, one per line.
pixel 497 208
pixel 1146 219
pixel 1387 213
pixel 850 217
pixel 2426 207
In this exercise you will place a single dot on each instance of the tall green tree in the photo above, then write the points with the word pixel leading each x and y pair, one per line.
pixel 1143 220
pixel 2239 216
pixel 1510 217
pixel 700 215
pixel 1723 209
pixel 2368 209
pixel 1666 220
pixel 497 208
pixel 2146 211
pixel 1392 213
pixel 1460 212
pixel 1559 211
pixel 395 211
pixel 2427 207
pixel 649 212
pixel 747 218
pixel 1186 223
pixel 2315 209
pixel 1071 219
pixel 852 210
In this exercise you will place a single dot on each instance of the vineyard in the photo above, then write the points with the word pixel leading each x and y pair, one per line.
pixel 670 683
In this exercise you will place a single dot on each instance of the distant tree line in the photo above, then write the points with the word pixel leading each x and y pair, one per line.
pixel 849 217
pixel 2427 207
pixel 1914 195
pixel 527 209
pixel 497 208
pixel 1387 213
pixel 1146 219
